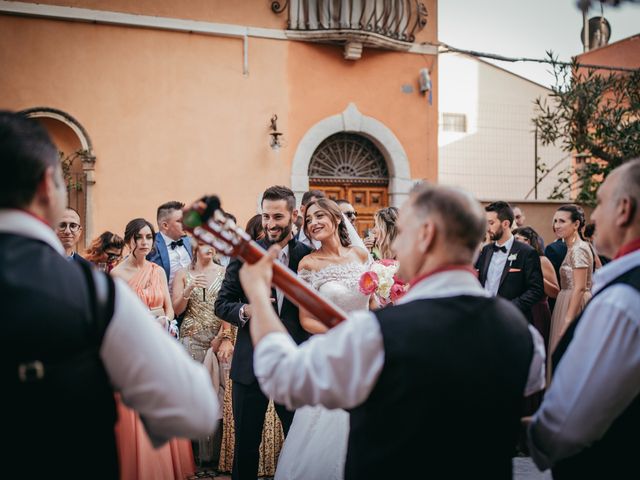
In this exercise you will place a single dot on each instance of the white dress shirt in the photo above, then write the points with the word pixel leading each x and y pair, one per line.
pixel 599 375
pixel 312 244
pixel 156 377
pixel 314 372
pixel 284 259
pixel 496 267
pixel 178 259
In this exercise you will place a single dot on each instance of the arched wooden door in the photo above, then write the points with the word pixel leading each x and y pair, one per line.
pixel 349 166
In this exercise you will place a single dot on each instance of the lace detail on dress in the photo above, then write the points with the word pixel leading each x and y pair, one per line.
pixel 338 283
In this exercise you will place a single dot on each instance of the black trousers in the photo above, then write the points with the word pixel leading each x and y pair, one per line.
pixel 249 408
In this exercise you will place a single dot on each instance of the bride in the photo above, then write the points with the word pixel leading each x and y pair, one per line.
pixel 316 445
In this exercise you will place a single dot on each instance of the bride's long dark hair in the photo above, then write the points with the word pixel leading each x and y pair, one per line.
pixel 335 214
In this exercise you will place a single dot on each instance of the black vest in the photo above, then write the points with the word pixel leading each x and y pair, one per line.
pixel 447 402
pixel 60 410
pixel 613 456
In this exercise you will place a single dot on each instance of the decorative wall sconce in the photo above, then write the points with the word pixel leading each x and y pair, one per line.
pixel 275 134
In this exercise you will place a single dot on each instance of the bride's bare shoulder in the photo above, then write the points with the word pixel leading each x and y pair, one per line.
pixel 308 262
pixel 360 253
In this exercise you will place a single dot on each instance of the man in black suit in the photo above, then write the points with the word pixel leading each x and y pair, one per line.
pixel 506 267
pixel 249 403
pixel 68 231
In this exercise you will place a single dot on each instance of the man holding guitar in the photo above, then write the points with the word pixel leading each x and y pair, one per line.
pixel 249 403
pixel 448 365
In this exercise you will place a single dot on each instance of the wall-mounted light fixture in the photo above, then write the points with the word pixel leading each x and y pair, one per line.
pixel 275 134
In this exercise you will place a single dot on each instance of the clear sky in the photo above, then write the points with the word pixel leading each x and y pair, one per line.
pixel 527 28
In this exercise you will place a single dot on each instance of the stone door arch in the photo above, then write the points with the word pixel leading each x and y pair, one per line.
pixel 351 120
pixel 72 139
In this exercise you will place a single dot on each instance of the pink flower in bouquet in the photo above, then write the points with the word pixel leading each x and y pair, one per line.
pixel 368 283
pixel 397 290
pixel 387 262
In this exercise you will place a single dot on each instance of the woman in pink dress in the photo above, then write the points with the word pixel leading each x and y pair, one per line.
pixel 138 458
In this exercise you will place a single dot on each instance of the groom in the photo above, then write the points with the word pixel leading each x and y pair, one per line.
pixel 249 403
pixel 508 268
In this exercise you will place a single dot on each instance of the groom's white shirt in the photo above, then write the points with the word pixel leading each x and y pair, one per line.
pixel 340 368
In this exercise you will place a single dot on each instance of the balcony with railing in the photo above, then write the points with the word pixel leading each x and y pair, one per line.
pixel 387 24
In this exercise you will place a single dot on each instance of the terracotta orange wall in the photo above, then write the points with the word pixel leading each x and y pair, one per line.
pixel 171 115
pixel 256 13
pixel 624 53
pixel 322 83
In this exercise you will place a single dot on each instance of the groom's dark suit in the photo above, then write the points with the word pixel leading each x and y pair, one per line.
pixel 521 280
pixel 249 403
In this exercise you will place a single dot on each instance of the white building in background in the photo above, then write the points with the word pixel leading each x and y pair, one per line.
pixel 486 136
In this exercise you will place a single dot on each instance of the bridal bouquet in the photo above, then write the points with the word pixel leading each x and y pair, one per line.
pixel 382 280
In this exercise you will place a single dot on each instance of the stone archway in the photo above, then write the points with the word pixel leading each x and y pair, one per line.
pixel 352 120
pixel 72 138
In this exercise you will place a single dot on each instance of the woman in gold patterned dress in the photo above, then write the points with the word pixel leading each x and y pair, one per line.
pixel 194 293
pixel 272 434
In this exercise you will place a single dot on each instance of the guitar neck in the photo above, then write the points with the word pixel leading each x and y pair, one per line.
pixel 297 291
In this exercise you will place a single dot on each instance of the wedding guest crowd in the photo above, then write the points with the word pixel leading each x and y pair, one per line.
pixel 196 362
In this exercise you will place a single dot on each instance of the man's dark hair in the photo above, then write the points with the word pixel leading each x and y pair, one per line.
pixel 502 209
pixel 166 208
pixel 589 230
pixel 308 196
pixel 342 201
pixel 26 151
pixel 280 192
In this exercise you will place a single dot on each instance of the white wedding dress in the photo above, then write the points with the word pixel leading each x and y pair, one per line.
pixel 316 446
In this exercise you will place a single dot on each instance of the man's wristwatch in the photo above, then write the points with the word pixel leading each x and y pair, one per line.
pixel 244 318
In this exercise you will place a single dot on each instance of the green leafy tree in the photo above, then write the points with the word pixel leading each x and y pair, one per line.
pixel 595 115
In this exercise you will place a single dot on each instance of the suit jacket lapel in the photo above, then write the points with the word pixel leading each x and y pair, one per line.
pixel 485 264
pixel 515 248
pixel 187 245
pixel 164 254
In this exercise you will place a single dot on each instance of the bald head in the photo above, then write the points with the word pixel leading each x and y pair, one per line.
pixel 460 217
pixel 629 183
pixel 616 216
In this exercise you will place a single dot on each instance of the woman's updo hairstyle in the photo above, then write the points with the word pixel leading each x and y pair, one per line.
pixel 577 215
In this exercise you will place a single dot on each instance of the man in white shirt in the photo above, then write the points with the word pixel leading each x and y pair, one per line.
pixel 76 335
pixel 172 247
pixel 590 416
pixel 447 362
pixel 506 267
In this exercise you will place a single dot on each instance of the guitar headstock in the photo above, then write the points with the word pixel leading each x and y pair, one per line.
pixel 206 221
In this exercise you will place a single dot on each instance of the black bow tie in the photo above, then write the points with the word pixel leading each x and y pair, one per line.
pixel 496 248
pixel 176 243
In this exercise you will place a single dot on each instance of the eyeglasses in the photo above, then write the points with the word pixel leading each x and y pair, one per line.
pixel 351 214
pixel 73 227
pixel 112 257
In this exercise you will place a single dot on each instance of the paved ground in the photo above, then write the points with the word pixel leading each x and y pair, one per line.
pixel 523 469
